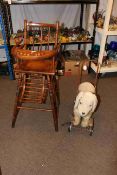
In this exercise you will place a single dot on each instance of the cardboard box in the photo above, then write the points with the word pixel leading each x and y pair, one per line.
pixel 72 68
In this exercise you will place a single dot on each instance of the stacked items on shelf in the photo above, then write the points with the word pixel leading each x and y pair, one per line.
pixel 110 54
pixel 1 38
pixel 112 51
pixel 76 34
pixel 101 20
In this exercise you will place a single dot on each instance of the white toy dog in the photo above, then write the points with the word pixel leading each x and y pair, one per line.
pixel 85 104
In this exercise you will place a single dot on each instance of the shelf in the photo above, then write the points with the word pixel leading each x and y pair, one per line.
pixel 112 32
pixel 54 1
pixel 62 43
pixel 104 69
pixel 101 31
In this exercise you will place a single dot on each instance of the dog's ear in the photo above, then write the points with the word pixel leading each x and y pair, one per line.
pixel 95 102
pixel 79 96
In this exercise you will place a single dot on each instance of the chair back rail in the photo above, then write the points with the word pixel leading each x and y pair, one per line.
pixel 44 33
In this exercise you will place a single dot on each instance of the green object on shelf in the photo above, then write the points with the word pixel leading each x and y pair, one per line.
pixel 96 49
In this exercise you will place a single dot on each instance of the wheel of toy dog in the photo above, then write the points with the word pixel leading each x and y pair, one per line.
pixel 91 131
pixel 70 127
pixel 91 127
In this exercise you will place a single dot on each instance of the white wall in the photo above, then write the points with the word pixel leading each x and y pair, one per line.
pixel 68 14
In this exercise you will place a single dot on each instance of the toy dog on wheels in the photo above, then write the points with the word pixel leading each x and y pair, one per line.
pixel 85 105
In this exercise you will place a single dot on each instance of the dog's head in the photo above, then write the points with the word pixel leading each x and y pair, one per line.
pixel 85 103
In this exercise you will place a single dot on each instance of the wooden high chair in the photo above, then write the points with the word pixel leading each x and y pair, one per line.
pixel 35 69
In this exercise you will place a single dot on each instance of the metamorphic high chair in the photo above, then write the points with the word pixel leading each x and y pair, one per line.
pixel 36 69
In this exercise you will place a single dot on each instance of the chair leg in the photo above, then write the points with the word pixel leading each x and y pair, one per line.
pixel 16 109
pixel 57 89
pixel 55 117
pixel 18 101
pixel 54 110
pixel 15 113
pixel 54 105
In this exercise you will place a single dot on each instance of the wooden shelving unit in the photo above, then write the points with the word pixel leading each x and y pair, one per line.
pixel 80 2
pixel 104 34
